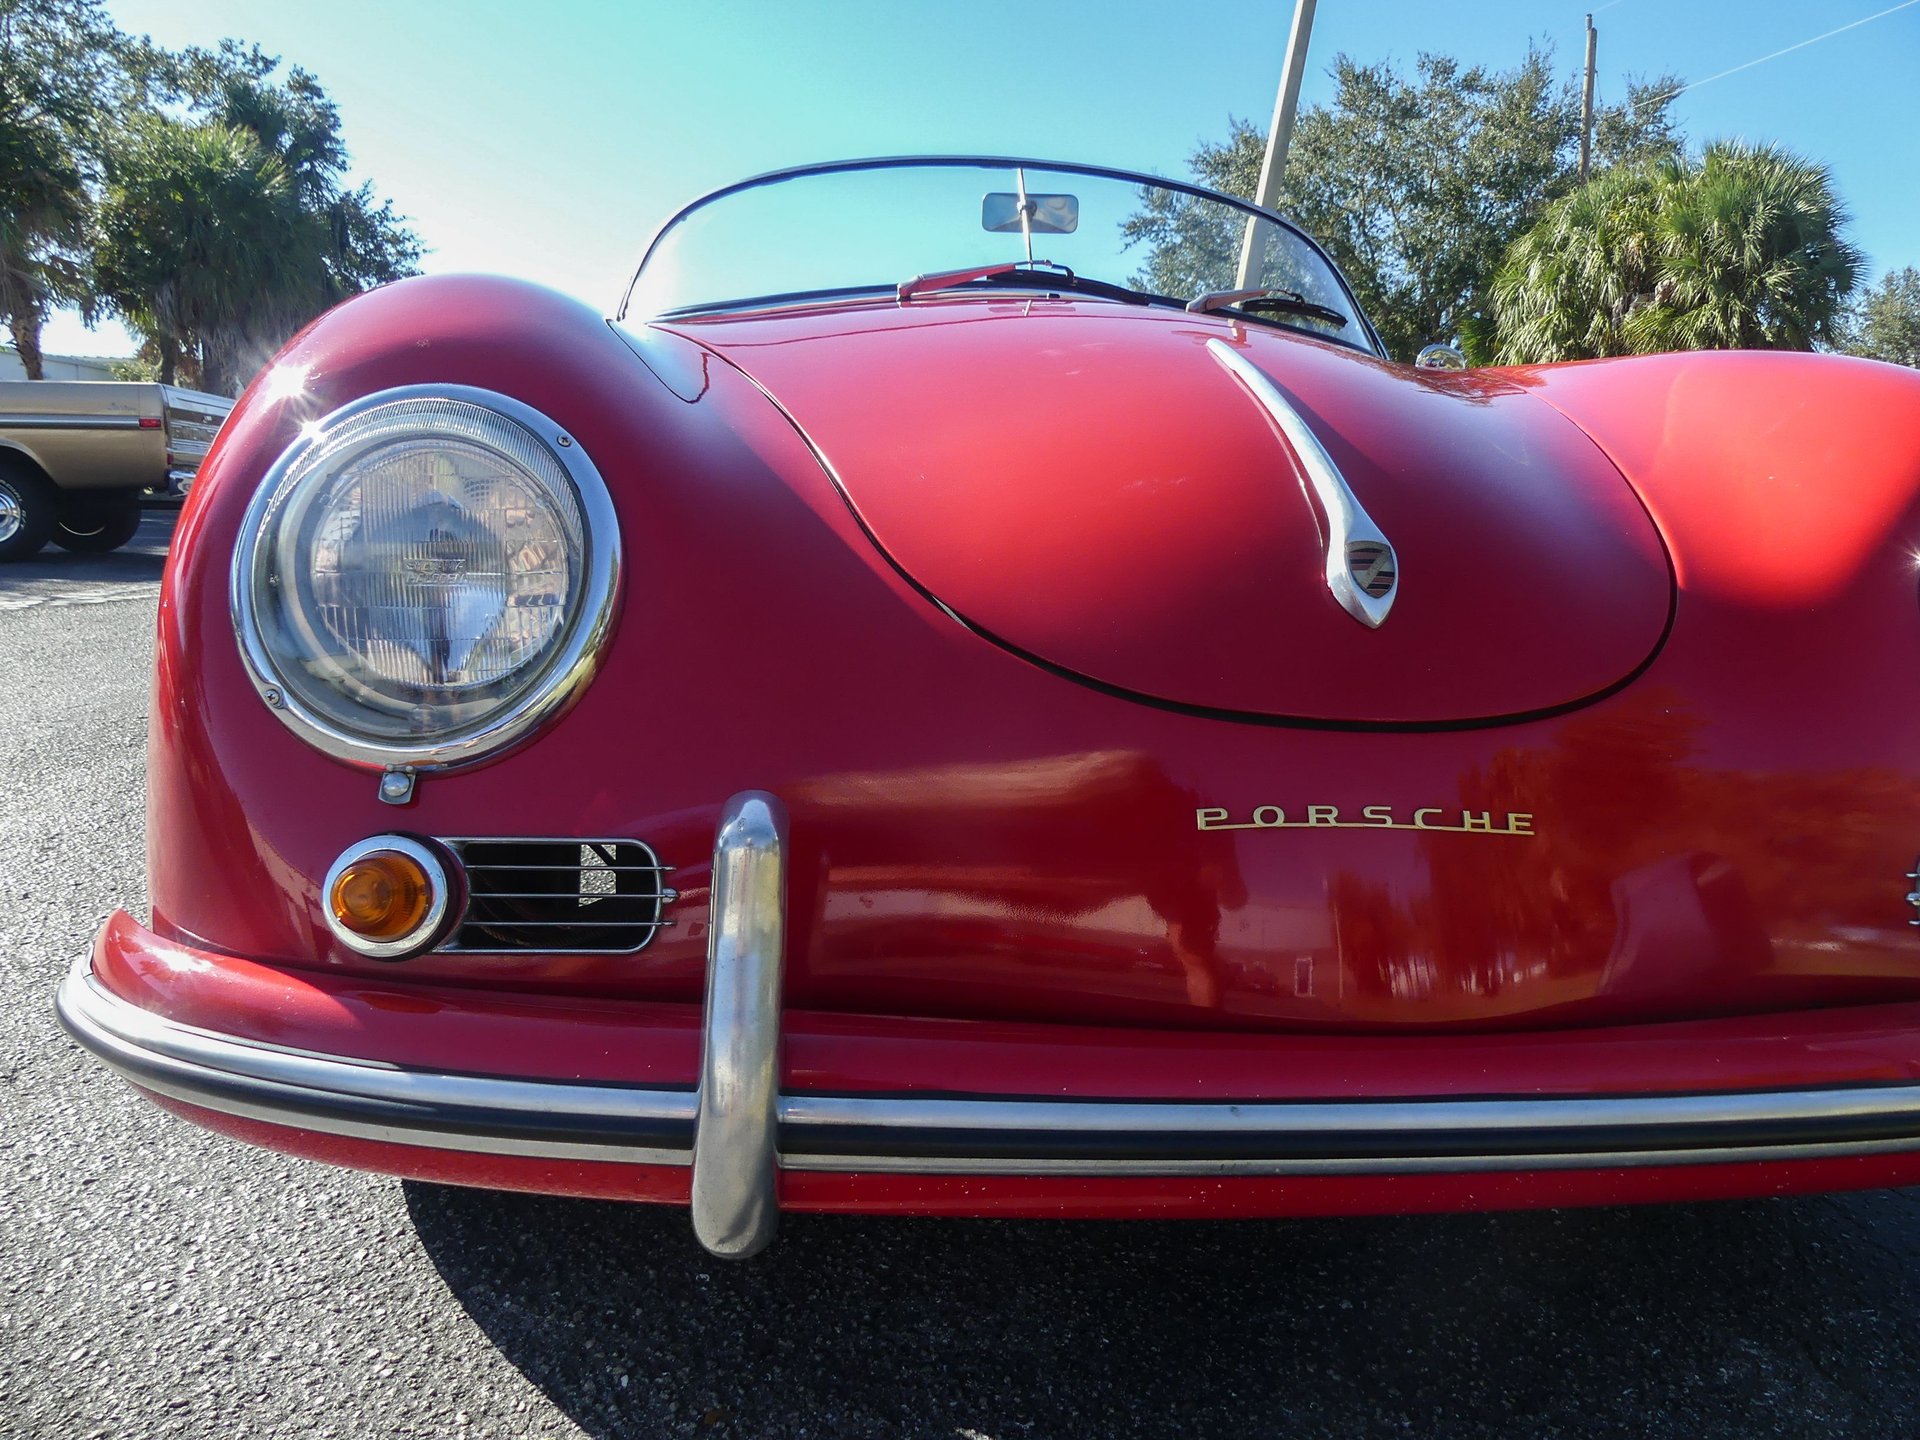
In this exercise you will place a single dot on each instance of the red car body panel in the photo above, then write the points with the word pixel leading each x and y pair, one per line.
pixel 1085 483
pixel 1005 877
pixel 380 1019
pixel 978 837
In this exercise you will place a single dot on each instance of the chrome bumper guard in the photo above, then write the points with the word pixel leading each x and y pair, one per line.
pixel 735 1127
pixel 737 1131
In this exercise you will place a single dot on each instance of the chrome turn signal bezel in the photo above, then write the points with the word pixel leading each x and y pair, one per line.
pixel 566 674
pixel 430 929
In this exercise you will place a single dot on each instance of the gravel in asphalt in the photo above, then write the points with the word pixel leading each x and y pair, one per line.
pixel 159 1281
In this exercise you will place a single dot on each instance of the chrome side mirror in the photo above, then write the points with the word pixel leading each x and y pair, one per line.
pixel 1439 357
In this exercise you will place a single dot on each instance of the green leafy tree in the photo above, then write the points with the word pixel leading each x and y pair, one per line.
pixel 293 119
pixel 1884 323
pixel 144 365
pixel 225 225
pixel 1416 186
pixel 1740 248
pixel 57 65
pixel 203 247
pixel 1570 285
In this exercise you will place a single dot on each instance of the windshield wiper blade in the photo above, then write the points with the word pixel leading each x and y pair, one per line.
pixel 947 279
pixel 1291 302
pixel 1040 274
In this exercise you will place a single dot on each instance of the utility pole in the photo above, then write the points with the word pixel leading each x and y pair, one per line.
pixel 1586 105
pixel 1279 136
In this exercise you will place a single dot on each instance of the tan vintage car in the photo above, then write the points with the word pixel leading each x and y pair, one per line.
pixel 77 458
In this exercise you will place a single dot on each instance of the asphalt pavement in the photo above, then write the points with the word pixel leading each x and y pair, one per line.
pixel 159 1281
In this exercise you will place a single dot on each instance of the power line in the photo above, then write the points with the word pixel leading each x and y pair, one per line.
pixel 1838 30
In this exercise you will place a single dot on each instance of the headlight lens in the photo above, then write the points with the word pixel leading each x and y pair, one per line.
pixel 424 575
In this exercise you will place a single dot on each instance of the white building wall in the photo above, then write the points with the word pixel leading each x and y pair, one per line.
pixel 57 367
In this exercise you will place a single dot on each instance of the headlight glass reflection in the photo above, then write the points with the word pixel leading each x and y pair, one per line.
pixel 417 571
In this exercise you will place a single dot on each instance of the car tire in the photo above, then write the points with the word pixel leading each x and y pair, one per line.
pixel 93 525
pixel 27 512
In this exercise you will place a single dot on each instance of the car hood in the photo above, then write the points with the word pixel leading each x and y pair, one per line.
pixel 1094 487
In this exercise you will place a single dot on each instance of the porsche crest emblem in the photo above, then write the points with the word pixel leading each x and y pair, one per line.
pixel 1371 564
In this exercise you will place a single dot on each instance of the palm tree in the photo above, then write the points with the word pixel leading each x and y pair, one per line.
pixel 43 220
pixel 223 230
pixel 1569 284
pixel 59 68
pixel 203 246
pixel 1739 249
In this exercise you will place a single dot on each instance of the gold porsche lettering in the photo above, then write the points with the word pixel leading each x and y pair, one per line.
pixel 1371 817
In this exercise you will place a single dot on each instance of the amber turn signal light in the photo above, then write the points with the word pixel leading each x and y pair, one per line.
pixel 386 897
pixel 382 896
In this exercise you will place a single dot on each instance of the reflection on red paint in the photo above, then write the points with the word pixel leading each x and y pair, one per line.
pixel 977 836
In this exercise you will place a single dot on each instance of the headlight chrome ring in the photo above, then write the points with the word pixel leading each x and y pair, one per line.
pixel 427 704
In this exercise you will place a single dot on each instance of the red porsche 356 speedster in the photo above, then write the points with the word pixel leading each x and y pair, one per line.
pixel 983 690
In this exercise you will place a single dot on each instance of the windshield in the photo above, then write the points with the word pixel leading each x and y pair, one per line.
pixel 865 227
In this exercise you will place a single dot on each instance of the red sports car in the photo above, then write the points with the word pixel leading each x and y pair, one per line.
pixel 984 690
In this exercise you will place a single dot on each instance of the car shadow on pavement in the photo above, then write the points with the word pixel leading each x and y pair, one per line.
pixel 141 562
pixel 1695 1320
pixel 118 568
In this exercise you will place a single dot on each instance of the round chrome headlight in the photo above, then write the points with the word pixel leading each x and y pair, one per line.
pixel 424 576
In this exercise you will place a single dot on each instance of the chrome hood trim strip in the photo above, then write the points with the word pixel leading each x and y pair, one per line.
pixel 1360 559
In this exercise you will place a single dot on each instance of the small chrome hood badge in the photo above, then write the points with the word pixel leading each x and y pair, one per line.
pixel 1363 573
pixel 1371 565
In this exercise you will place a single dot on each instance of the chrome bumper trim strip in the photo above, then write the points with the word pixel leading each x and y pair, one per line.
pixel 736 1130
pixel 1037 1128
pixel 735 1207
pixel 1405 1165
pixel 369 1100
pixel 1013 1136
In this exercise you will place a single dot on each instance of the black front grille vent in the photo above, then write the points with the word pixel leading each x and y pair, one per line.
pixel 601 897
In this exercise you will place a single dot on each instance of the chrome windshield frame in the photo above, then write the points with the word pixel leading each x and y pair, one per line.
pixel 987 162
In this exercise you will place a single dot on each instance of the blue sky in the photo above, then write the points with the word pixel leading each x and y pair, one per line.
pixel 549 140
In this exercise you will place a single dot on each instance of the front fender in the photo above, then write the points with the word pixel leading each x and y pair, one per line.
pixel 1784 482
pixel 244 817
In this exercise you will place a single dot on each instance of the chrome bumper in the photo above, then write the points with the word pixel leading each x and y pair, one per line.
pixel 737 1131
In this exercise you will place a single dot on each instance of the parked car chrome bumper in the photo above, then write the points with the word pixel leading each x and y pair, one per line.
pixel 985 1135
pixel 735 1129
